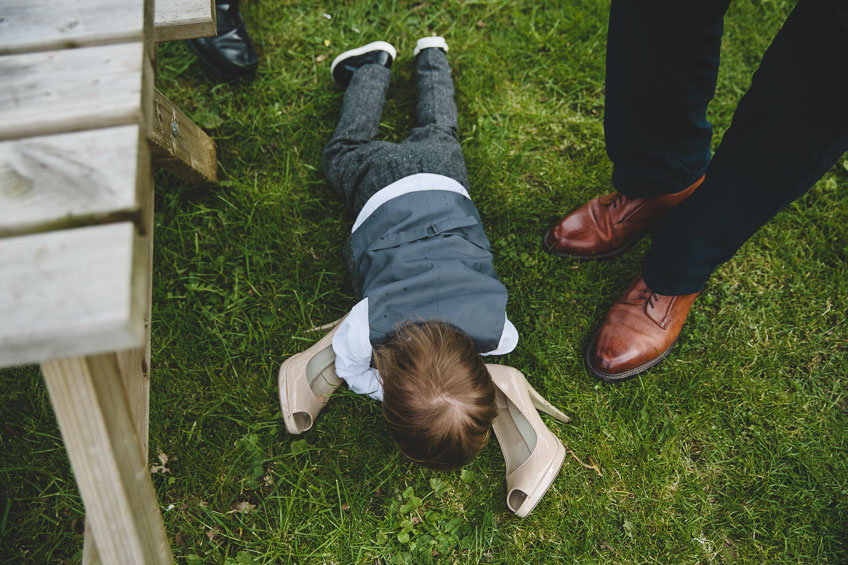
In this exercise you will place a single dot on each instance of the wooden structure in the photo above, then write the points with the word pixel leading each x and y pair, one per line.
pixel 80 121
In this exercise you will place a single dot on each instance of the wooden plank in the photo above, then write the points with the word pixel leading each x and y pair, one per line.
pixel 70 292
pixel 74 89
pixel 90 555
pixel 184 19
pixel 73 179
pixel 109 466
pixel 41 25
pixel 179 145
pixel 134 364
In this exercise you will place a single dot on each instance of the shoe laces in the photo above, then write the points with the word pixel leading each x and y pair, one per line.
pixel 614 199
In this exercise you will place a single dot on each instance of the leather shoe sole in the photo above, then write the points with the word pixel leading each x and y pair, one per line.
pixel 626 375
pixel 554 251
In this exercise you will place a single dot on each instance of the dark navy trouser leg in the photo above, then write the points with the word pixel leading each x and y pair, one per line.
pixel 788 130
pixel 662 64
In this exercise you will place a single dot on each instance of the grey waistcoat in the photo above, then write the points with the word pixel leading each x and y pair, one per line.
pixel 424 256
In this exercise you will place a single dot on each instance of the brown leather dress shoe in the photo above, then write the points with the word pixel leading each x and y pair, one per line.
pixel 607 225
pixel 637 332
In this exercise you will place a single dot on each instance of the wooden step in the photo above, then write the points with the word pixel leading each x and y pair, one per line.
pixel 42 25
pixel 72 179
pixel 74 89
pixel 184 19
pixel 71 292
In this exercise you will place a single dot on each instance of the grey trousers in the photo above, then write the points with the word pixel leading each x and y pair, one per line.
pixel 357 166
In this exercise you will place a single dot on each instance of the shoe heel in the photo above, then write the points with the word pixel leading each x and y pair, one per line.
pixel 544 406
pixel 306 381
pixel 321 372
pixel 532 453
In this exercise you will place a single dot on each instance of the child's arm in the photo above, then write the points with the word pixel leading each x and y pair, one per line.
pixel 352 347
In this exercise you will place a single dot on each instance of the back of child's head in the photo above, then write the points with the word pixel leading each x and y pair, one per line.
pixel 438 397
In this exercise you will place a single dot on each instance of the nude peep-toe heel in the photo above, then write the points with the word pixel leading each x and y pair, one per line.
pixel 307 380
pixel 532 452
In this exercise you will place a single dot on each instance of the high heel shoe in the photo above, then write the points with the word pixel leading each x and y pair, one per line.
pixel 307 380
pixel 532 452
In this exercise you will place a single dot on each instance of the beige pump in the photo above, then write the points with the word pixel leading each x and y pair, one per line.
pixel 532 452
pixel 307 380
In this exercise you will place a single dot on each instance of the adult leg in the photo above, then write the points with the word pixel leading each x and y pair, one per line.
pixel 789 128
pixel 662 63
pixel 346 154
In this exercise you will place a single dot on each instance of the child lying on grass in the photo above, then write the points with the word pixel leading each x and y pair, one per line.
pixel 432 304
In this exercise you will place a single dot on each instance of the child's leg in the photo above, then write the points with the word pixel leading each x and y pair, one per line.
pixel 348 148
pixel 436 131
pixel 436 108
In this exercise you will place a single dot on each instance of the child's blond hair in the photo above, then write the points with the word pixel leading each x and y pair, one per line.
pixel 438 397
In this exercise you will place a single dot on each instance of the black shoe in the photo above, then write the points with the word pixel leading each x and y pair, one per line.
pixel 230 54
pixel 376 53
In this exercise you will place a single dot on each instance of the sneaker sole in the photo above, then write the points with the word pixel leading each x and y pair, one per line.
pixel 373 46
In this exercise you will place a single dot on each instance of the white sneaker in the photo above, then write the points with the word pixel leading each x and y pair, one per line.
pixel 377 53
pixel 427 42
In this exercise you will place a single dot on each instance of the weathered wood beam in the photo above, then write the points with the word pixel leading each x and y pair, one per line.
pixel 41 25
pixel 184 19
pixel 179 145
pixel 71 292
pixel 109 467
pixel 74 89
pixel 69 180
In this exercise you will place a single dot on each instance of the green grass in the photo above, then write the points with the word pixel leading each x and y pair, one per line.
pixel 733 450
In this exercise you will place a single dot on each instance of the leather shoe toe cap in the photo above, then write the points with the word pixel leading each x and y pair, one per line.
pixel 568 239
pixel 611 357
pixel 618 352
